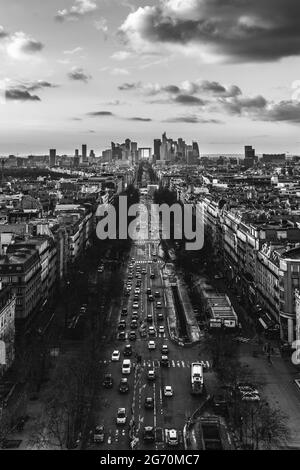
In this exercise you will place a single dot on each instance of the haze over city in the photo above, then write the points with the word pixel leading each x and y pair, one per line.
pixel 221 73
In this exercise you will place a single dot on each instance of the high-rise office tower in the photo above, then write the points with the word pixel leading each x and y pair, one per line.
pixel 127 144
pixel 250 158
pixel 157 144
pixel 84 153
pixel 52 158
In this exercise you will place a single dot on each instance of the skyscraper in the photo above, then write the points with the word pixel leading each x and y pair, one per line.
pixel 157 144
pixel 52 158
pixel 84 154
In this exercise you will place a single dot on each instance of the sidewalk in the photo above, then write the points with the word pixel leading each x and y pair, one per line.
pixel 279 388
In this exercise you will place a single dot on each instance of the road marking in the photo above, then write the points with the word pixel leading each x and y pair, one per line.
pixel 173 363
pixel 183 364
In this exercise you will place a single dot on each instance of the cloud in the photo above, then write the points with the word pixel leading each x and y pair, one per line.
pixel 74 51
pixel 20 46
pixel 185 88
pixel 189 100
pixel 141 119
pixel 122 55
pixel 115 71
pixel 236 30
pixel 16 94
pixel 101 25
pixel 80 9
pixel 3 33
pixel 284 111
pixel 78 74
pixel 193 119
pixel 100 114
pixel 38 85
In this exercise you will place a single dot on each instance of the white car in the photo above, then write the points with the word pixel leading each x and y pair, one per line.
pixel 168 391
pixel 121 416
pixel 151 330
pixel 137 290
pixel 135 305
pixel 115 356
pixel 172 437
pixel 158 305
pixel 161 329
pixel 151 345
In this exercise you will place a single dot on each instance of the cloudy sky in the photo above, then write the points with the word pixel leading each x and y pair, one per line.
pixel 223 72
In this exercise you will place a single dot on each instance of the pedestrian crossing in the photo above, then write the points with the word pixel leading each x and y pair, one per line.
pixel 116 435
pixel 152 364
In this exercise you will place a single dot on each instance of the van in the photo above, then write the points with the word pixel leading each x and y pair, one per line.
pixel 126 366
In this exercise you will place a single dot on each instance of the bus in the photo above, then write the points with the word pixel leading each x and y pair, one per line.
pixel 196 378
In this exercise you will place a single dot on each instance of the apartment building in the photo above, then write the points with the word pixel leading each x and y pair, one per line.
pixel 7 327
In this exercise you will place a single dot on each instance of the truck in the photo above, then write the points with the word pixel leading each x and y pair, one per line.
pixel 196 378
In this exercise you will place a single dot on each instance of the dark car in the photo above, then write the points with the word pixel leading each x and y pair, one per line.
pixel 122 325
pixel 149 434
pixel 124 387
pixel 134 324
pixel 151 298
pixel 128 350
pixel 108 381
pixel 121 335
pixel 124 311
pixel 164 361
pixel 132 336
pixel 98 434
pixel 148 290
pixel 149 403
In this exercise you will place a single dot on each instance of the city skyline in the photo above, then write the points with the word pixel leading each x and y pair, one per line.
pixel 89 70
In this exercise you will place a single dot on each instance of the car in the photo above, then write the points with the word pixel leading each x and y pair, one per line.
pixel 127 350
pixel 137 290
pixel 138 283
pixel 121 335
pixel 154 260
pixel 151 374
pixel 148 290
pixel 150 298
pixel 157 294
pixel 151 345
pixel 138 276
pixel 134 324
pixel 135 305
pixel 136 297
pixel 149 318
pixel 121 416
pixel 149 434
pixel 158 305
pixel 134 316
pixel 149 403
pixel 161 329
pixel 108 381
pixel 130 276
pixel 151 330
pixel 132 336
pixel 250 396
pixel 164 361
pixel 144 271
pixel 164 349
pixel 122 325
pixel 124 312
pixel 246 387
pixel 123 386
pixel 168 391
pixel 152 276
pixel 98 436
pixel 160 316
pixel 127 293
pixel 100 270
pixel 115 356
pixel 172 437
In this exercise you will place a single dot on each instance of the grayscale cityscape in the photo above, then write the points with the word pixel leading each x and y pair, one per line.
pixel 149 228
